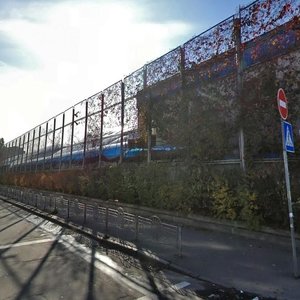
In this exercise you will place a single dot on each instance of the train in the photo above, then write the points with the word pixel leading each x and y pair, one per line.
pixel 77 155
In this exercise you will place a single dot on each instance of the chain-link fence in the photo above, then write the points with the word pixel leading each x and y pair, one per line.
pixel 149 114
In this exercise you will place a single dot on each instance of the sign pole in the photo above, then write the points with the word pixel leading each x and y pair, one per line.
pixel 290 206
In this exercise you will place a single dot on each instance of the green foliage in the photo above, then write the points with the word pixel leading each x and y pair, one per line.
pixel 250 209
pixel 225 203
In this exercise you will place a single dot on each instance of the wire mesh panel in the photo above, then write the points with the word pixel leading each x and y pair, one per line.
pixel 163 67
pixel 67 139
pixel 35 148
pixel 133 84
pixel 94 128
pixel 112 123
pixel 263 16
pixel 215 41
pixel 79 133
pixel 57 143
pixel 42 149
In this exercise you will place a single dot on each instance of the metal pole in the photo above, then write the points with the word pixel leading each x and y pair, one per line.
pixel 239 85
pixel 6 156
pixel 148 125
pixel 62 140
pixel 18 160
pixel 290 206
pixel 53 141
pixel 45 148
pixel 84 217
pixel 85 132
pixel 136 227
pixel 106 221
pixel 72 137
pixel 179 241
pixel 32 149
pixel 101 129
pixel 122 121
pixel 13 155
pixel 27 151
pixel 38 151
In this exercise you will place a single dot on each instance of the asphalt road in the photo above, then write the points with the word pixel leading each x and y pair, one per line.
pixel 38 265
pixel 41 260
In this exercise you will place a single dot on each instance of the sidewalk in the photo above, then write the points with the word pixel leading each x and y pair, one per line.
pixel 243 263
pixel 248 264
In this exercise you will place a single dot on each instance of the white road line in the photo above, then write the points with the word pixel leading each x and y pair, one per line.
pixel 26 243
pixel 175 287
pixel 180 285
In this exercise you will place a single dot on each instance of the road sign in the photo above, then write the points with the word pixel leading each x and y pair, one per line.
pixel 288 146
pixel 288 137
pixel 282 104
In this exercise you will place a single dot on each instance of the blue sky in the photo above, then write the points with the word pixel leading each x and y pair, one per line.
pixel 54 53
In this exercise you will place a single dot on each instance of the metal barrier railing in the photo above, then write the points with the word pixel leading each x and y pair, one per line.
pixel 105 220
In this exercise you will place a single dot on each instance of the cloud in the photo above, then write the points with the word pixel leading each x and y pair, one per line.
pixel 14 54
pixel 78 48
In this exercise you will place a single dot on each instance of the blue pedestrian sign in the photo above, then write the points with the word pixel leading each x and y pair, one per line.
pixel 288 137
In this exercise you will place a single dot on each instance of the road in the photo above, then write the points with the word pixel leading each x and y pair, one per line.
pixel 41 260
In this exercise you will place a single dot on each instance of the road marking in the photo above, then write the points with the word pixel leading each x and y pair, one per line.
pixel 180 285
pixel 176 287
pixel 26 243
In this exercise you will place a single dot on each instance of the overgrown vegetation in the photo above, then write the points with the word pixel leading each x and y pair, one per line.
pixel 201 113
pixel 223 193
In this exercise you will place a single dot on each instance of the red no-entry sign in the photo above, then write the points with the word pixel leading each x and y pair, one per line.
pixel 282 104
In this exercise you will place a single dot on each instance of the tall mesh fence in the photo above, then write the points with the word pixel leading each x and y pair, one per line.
pixel 169 107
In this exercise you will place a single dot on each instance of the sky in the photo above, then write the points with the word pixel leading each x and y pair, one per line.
pixel 55 53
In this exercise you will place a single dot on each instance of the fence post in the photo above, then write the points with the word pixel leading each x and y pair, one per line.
pixel 136 227
pixel 85 132
pixel 45 148
pixel 53 142
pixel 38 149
pixel 149 121
pixel 106 221
pixel 62 140
pixel 68 209
pixel 27 147
pixel 179 241
pixel 72 137
pixel 32 149
pixel 239 84
pixel 84 216
pixel 122 121
pixel 101 130
pixel 22 156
